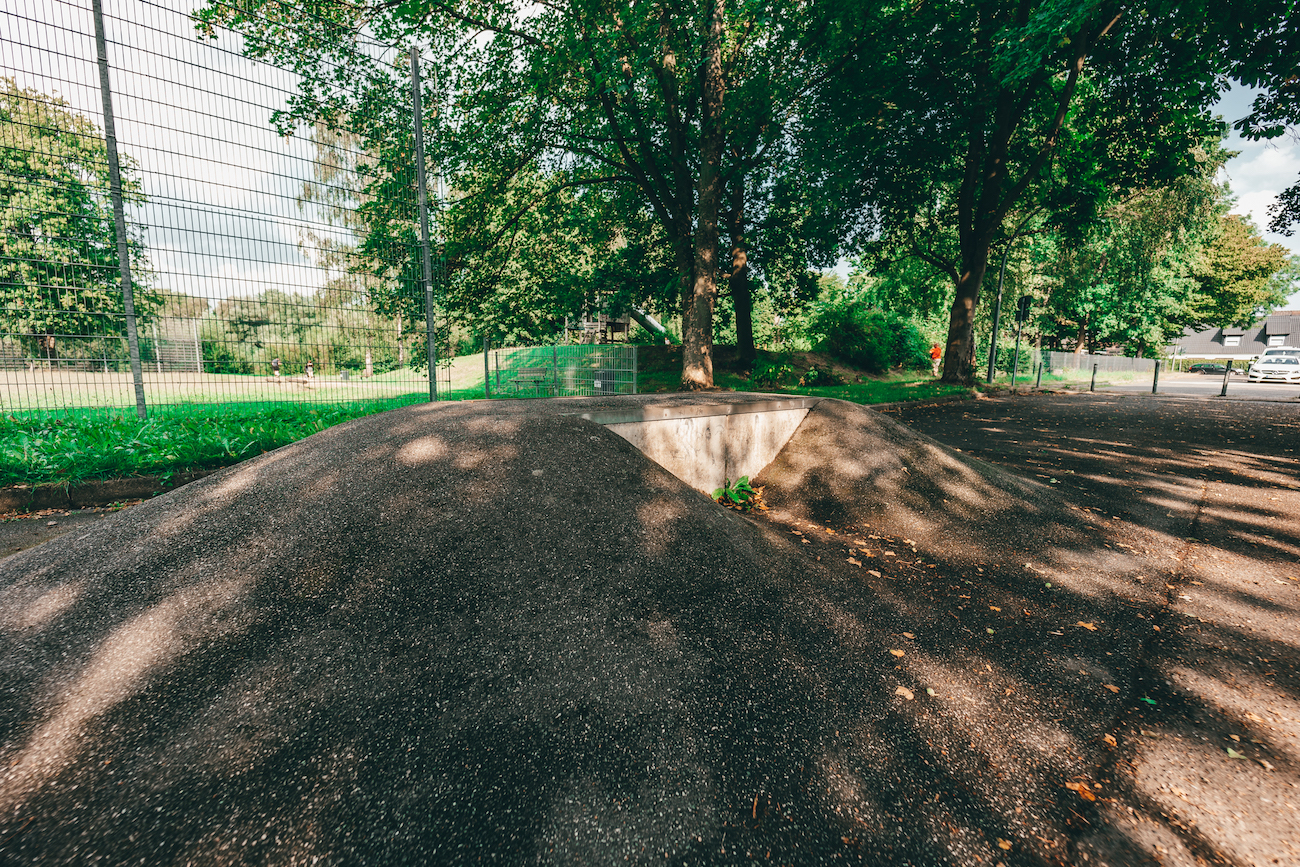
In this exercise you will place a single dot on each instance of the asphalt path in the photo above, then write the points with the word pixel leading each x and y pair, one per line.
pixel 1205 764
pixel 1196 385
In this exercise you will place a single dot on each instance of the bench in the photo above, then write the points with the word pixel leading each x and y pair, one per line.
pixel 532 379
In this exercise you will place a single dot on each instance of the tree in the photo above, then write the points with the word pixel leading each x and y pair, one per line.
pixel 677 103
pixel 968 111
pixel 1239 279
pixel 1267 57
pixel 59 270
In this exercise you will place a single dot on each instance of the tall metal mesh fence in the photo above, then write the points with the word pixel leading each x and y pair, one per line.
pixel 561 371
pixel 257 271
pixel 1104 363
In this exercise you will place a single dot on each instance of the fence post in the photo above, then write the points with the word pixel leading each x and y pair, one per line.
pixel 422 186
pixel 1093 386
pixel 1038 379
pixel 157 357
pixel 487 391
pixel 1226 373
pixel 1015 361
pixel 634 370
pixel 1155 379
pixel 555 361
pixel 119 212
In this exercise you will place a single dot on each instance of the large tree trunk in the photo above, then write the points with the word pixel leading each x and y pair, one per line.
pixel 697 331
pixel 742 297
pixel 959 356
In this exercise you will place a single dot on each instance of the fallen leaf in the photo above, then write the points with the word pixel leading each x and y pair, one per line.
pixel 830 531
pixel 1088 626
pixel 908 635
pixel 988 630
pixel 1004 844
pixel 1233 754
pixel 797 532
pixel 1148 700
pixel 1112 687
pixel 1253 718
pixel 855 562
pixel 896 652
pixel 930 691
pixel 1083 790
pixel 1110 741
pixel 1266 765
pixel 994 608
pixel 904 692
pixel 890 554
pixel 873 572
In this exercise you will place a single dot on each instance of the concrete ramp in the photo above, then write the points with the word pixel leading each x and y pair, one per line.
pixel 706 445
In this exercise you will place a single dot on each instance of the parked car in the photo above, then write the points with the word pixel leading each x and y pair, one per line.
pixel 1212 368
pixel 1275 366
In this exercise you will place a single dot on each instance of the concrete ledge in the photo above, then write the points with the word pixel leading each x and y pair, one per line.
pixel 28 498
pixel 706 445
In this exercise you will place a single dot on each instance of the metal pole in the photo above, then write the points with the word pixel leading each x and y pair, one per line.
pixel 119 212
pixel 1093 387
pixel 1038 383
pixel 157 358
pixel 487 391
pixel 997 313
pixel 1155 379
pixel 1226 373
pixel 1015 361
pixel 421 183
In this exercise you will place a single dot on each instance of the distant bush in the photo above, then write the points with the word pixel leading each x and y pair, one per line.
pixel 769 374
pixel 870 339
pixel 820 375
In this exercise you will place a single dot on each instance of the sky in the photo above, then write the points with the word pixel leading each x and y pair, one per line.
pixel 196 116
pixel 1259 172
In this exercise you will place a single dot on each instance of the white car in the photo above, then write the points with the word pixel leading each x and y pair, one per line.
pixel 1278 364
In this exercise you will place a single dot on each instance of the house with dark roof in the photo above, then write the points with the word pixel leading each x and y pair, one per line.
pixel 1280 328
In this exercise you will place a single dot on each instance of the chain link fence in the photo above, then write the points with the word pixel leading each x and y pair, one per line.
pixel 1060 361
pixel 230 256
pixel 561 371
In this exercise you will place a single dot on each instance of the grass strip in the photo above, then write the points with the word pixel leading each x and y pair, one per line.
pixel 73 447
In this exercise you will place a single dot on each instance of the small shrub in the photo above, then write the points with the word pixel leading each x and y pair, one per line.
pixel 769 374
pixel 870 339
pixel 740 495
pixel 820 375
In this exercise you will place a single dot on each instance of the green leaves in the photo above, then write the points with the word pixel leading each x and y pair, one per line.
pixel 739 495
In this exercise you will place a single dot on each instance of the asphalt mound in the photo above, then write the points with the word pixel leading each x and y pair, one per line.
pixel 497 634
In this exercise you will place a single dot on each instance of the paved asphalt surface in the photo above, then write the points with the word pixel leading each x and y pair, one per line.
pixel 473 634
pixel 1208 769
pixel 1239 388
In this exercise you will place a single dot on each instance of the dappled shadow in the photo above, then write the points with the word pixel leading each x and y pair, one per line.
pixel 498 633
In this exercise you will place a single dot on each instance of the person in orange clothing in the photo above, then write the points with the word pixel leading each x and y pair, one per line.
pixel 935 355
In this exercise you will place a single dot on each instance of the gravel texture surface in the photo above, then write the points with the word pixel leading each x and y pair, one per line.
pixel 496 633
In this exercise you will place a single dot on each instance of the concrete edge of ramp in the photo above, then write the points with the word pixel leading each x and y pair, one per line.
pixel 708 445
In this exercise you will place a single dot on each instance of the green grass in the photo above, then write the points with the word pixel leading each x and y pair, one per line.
pixel 89 444
pixel 70 446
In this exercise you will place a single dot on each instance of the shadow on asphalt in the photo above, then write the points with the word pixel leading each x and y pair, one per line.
pixel 442 636
pixel 1208 768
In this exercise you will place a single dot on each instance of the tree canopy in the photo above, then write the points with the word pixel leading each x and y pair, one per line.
pixel 58 252
pixel 671 154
